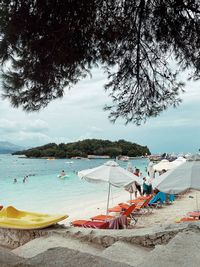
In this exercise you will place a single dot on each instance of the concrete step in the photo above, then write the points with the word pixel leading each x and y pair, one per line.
pixel 7 258
pixel 121 252
pixel 182 250
pixel 126 253
pixel 62 257
pixel 42 244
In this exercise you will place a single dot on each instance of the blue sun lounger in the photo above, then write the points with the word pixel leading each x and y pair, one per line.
pixel 161 198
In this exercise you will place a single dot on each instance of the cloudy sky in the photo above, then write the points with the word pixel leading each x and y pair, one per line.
pixel 80 115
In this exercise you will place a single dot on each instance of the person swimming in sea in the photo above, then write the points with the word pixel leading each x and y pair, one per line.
pixel 25 178
pixel 62 173
pixel 14 180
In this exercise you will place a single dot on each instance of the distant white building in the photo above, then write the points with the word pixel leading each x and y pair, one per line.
pixel 98 157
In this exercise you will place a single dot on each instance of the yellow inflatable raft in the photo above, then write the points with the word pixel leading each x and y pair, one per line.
pixel 18 219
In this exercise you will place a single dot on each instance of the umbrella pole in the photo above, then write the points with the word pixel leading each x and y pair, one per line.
pixel 197 202
pixel 108 199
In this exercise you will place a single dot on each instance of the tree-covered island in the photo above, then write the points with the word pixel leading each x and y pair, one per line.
pixel 85 148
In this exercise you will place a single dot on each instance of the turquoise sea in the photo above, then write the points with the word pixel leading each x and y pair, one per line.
pixel 44 191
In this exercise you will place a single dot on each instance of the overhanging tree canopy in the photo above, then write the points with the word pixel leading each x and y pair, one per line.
pixel 52 44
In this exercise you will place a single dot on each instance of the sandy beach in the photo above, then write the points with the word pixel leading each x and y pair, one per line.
pixel 155 237
pixel 87 209
pixel 167 214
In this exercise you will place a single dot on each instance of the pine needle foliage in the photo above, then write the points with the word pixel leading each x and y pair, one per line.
pixel 49 45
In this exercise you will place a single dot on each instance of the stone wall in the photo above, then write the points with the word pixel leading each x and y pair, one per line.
pixel 148 237
pixel 13 238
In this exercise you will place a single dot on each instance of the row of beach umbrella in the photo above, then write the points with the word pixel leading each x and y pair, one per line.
pixel 184 175
pixel 167 165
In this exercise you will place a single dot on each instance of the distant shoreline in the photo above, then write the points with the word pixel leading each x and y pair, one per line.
pixel 89 148
pixel 78 158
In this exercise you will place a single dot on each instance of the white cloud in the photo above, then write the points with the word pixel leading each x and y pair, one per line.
pixel 8 126
pixel 33 138
pixel 95 129
pixel 174 122
pixel 80 115
pixel 11 126
pixel 87 135
pixel 36 126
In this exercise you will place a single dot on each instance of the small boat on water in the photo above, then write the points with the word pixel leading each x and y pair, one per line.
pixel 22 157
pixel 51 158
pixel 137 157
pixel 124 158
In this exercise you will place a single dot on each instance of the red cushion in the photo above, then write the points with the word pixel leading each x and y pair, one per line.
pixel 102 218
pixel 98 225
pixel 79 223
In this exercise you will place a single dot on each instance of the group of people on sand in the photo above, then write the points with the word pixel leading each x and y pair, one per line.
pixel 146 188
pixel 25 179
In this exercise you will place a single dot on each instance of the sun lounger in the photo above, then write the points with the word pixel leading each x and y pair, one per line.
pixel 102 217
pixel 135 201
pixel 96 225
pixel 190 217
pixel 186 219
pixel 120 222
pixel 78 223
pixel 160 198
pixel 157 200
pixel 107 221
pixel 142 205
pixel 115 209
pixel 90 224
pixel 119 208
pixel 126 213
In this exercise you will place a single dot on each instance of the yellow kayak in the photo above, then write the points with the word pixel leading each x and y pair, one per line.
pixel 18 219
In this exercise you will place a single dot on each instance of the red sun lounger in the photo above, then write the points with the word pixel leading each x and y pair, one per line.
pixel 102 217
pixel 90 224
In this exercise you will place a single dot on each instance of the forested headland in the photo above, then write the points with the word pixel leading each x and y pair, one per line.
pixel 85 148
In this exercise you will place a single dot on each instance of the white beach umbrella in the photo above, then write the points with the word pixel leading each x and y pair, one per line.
pixel 163 165
pixel 179 161
pixel 180 179
pixel 159 178
pixel 129 167
pixel 110 173
pixel 150 170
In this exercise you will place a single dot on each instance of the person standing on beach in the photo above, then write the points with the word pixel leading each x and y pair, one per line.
pixel 150 188
pixel 138 188
pixel 145 186
pixel 137 172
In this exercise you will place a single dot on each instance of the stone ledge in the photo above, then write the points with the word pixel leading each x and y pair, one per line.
pixel 13 238
pixel 148 237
